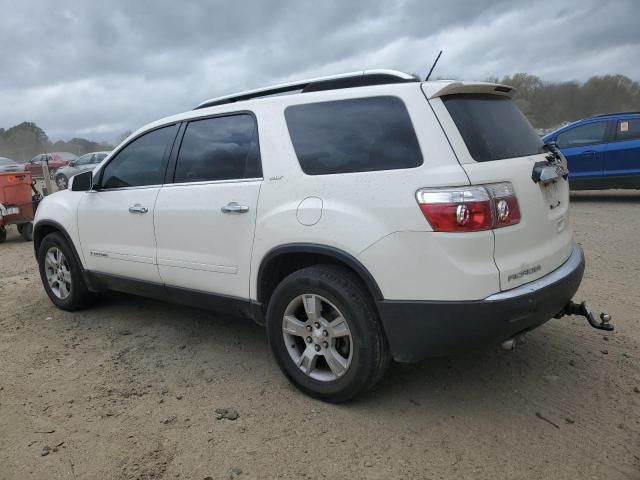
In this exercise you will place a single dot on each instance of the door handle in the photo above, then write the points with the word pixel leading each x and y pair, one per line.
pixel 234 207
pixel 589 153
pixel 137 208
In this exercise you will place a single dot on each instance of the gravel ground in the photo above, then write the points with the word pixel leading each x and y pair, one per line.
pixel 135 388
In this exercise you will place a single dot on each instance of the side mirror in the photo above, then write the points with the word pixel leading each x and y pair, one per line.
pixel 82 182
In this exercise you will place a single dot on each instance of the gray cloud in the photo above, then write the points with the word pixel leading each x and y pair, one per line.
pixel 95 69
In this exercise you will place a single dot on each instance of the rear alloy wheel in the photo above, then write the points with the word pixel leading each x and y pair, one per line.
pixel 318 337
pixel 62 182
pixel 325 334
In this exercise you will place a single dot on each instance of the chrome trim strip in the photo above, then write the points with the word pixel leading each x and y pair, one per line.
pixel 573 262
pixel 303 83
pixel 182 184
pixel 205 267
pixel 214 182
pixel 119 189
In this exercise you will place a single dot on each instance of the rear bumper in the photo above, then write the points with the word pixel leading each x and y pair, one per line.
pixel 419 329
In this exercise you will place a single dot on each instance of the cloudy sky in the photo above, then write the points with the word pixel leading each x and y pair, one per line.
pixel 97 68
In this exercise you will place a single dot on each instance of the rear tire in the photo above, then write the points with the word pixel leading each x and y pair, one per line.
pixel 3 234
pixel 61 274
pixel 336 353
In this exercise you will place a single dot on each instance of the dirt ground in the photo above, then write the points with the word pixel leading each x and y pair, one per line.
pixel 129 389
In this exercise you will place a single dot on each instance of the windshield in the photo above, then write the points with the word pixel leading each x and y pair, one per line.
pixel 492 126
pixel 67 156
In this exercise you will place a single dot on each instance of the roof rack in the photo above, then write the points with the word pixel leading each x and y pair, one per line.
pixel 361 78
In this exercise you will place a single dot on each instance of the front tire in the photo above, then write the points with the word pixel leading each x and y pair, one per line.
pixel 26 230
pixel 62 182
pixel 325 334
pixel 61 274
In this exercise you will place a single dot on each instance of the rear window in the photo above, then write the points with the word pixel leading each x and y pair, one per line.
pixel 628 129
pixel 492 126
pixel 355 135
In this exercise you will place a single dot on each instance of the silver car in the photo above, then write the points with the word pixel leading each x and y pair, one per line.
pixel 8 165
pixel 79 165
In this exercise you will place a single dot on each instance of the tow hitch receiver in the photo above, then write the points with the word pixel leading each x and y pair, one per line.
pixel 583 310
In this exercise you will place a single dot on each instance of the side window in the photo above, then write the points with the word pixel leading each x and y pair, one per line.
pixel 220 148
pixel 142 162
pixel 583 135
pixel 355 135
pixel 98 157
pixel 628 129
pixel 83 160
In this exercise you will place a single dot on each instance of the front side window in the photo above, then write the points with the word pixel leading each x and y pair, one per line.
pixel 98 157
pixel 492 127
pixel 141 162
pixel 588 134
pixel 83 160
pixel 219 148
pixel 628 129
pixel 355 135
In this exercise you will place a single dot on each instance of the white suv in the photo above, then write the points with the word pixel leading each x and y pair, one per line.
pixel 362 217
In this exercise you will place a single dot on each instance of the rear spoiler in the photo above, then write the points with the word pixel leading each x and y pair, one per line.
pixel 439 88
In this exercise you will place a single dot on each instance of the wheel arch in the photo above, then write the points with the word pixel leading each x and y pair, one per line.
pixel 286 259
pixel 44 228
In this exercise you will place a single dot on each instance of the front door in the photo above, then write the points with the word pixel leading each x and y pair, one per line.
pixel 584 148
pixel 205 220
pixel 115 221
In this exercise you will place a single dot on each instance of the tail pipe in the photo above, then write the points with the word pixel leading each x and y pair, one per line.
pixel 583 310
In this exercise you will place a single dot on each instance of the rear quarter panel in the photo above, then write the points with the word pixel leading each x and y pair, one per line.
pixel 358 209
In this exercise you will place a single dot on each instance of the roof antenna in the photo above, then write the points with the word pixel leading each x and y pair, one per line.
pixel 433 66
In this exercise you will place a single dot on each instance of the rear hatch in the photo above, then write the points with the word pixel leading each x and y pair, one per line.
pixel 494 142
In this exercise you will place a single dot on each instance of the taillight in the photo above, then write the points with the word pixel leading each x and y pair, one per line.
pixel 507 210
pixel 469 209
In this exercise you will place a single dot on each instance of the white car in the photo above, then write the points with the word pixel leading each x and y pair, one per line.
pixel 362 217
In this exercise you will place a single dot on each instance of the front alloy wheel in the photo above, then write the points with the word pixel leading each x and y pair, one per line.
pixel 61 273
pixel 61 182
pixel 58 273
pixel 318 337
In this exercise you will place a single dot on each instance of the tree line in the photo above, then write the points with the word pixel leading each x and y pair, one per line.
pixel 550 104
pixel 22 142
pixel 546 104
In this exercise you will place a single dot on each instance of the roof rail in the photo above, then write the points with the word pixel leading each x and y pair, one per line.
pixel 615 113
pixel 344 80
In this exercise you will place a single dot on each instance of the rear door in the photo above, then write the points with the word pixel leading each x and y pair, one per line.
pixel 622 157
pixel 584 146
pixel 494 142
pixel 116 221
pixel 205 220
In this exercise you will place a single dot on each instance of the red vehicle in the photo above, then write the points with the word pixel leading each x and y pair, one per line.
pixel 56 160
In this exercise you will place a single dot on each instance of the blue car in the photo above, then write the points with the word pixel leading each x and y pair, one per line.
pixel 602 152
